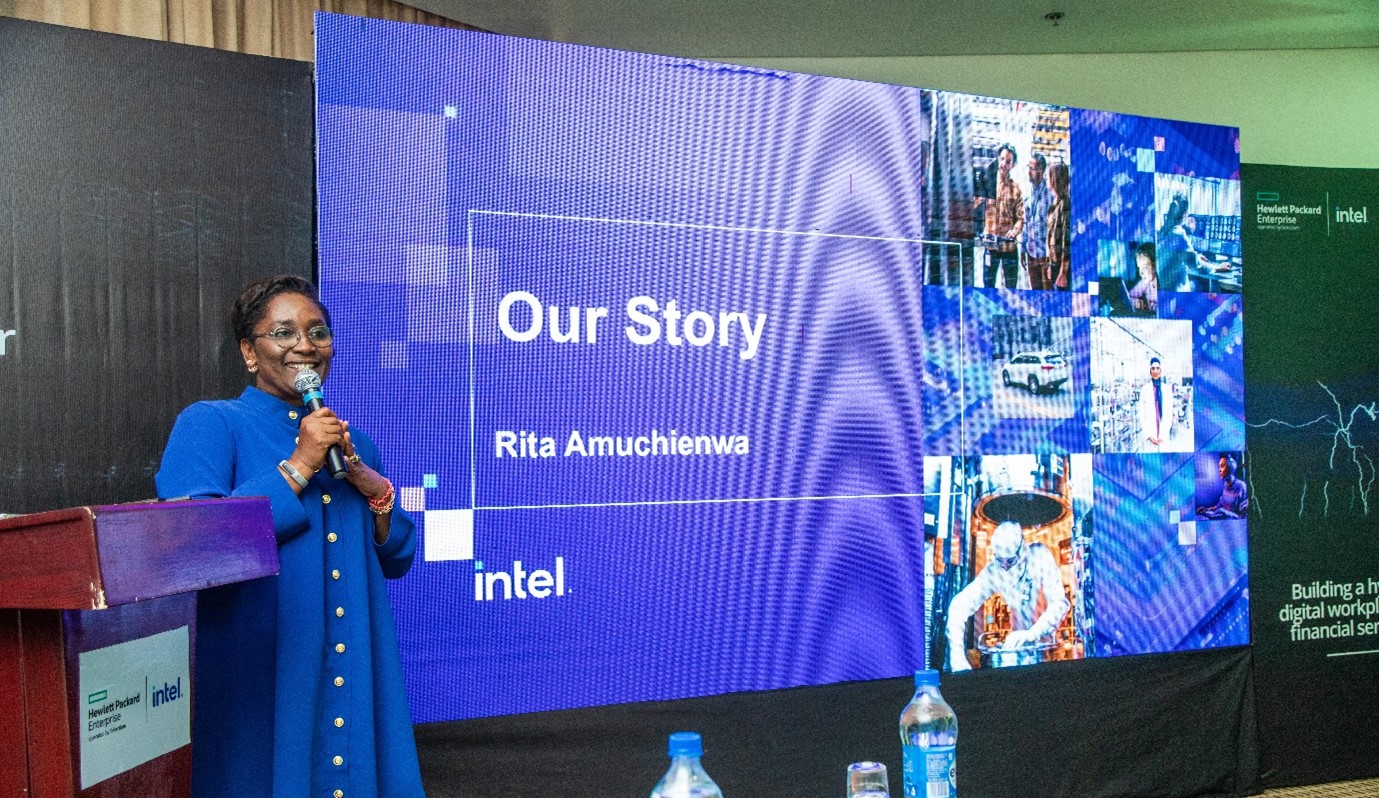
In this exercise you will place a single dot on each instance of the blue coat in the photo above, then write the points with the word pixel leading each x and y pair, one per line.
pixel 298 672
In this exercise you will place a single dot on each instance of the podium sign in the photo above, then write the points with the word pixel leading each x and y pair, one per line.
pixel 97 643
pixel 133 703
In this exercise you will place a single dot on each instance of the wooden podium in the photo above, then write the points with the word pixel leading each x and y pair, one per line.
pixel 97 640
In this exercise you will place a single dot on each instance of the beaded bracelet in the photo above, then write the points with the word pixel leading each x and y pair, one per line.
pixel 383 504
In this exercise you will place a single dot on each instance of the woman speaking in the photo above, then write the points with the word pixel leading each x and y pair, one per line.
pixel 299 686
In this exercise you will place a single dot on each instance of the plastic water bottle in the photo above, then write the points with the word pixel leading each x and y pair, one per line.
pixel 929 736
pixel 686 777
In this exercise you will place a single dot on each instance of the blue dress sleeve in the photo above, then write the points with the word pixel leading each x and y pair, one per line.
pixel 199 462
pixel 394 554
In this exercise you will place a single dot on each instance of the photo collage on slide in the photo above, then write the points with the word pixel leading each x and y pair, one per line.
pixel 1083 384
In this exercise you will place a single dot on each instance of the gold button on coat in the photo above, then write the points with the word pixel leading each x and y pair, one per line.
pixel 339 681
pixel 292 414
pixel 325 498
pixel 339 760
pixel 335 574
pixel 339 722
pixel 339 612
pixel 332 537
pixel 339 648
pixel 339 794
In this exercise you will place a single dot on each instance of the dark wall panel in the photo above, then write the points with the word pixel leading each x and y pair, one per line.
pixel 141 185
pixel 1159 726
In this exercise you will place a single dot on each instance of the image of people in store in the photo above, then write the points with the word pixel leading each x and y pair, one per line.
pixel 990 187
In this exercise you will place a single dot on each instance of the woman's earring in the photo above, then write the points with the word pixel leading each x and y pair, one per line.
pixel 253 367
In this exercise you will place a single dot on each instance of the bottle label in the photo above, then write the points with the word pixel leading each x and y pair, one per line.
pixel 931 772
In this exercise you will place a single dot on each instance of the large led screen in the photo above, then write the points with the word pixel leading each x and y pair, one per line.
pixel 703 378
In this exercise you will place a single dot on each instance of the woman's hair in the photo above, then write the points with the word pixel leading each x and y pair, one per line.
pixel 1058 178
pixel 252 303
pixel 1147 249
pixel 1177 209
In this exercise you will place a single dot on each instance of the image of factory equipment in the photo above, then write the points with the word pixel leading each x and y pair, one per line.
pixel 969 498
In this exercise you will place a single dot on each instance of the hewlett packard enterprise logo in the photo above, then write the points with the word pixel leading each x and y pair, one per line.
pixel 1273 212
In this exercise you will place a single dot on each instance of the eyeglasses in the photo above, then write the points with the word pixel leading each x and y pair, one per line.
pixel 319 336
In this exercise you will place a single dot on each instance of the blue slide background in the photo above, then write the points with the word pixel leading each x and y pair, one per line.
pixel 456 167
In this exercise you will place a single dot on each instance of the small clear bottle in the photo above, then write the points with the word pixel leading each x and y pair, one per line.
pixel 686 777
pixel 929 738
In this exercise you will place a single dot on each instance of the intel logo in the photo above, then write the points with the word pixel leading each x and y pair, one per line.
pixel 1352 216
pixel 168 692
pixel 518 582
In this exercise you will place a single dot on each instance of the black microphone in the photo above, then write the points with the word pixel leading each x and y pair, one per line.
pixel 308 384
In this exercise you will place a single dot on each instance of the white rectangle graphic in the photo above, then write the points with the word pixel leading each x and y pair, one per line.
pixel 448 535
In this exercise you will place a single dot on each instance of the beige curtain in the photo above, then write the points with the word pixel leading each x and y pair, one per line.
pixel 279 28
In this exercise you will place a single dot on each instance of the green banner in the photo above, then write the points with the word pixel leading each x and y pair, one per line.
pixel 1312 369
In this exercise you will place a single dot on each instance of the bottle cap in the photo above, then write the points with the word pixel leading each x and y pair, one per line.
pixel 686 744
pixel 926 678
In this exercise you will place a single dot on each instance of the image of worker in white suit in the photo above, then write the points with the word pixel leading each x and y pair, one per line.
pixel 1019 573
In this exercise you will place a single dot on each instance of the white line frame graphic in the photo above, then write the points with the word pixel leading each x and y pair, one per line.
pixel 473 450
pixel 1353 653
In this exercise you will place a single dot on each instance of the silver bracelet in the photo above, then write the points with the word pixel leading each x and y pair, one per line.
pixel 296 475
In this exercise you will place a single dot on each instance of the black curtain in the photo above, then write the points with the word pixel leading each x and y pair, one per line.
pixel 141 185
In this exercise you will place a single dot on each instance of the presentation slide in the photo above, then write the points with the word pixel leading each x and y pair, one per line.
pixel 702 378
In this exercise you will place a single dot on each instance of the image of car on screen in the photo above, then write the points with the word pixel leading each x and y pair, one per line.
pixel 1037 371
